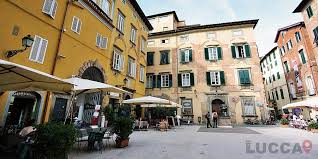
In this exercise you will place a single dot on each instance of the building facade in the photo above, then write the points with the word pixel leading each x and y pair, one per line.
pixel 309 11
pixel 298 60
pixel 99 40
pixel 276 90
pixel 206 68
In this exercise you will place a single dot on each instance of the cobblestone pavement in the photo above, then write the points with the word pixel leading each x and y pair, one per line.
pixel 195 142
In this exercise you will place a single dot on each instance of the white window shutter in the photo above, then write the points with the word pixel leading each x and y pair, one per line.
pixel 47 6
pixel 104 42
pixel 134 69
pixel 74 24
pixel 122 62
pixel 35 48
pixel 79 25
pixel 114 60
pixel 98 39
pixel 41 54
pixel 53 10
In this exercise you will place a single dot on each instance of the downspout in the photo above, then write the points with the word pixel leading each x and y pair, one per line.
pixel 56 57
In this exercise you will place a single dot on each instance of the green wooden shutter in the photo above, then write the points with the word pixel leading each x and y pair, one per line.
pixel 278 75
pixel 154 77
pixel 179 80
pixel 192 79
pixel 222 77
pixel 302 55
pixel 208 78
pixel 247 77
pixel 170 80
pixel 233 52
pixel 219 53
pixel 247 51
pixel 158 81
pixel 190 55
pixel 182 56
pixel 241 76
pixel 206 52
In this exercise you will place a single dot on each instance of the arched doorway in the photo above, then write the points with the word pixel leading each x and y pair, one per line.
pixel 24 108
pixel 220 107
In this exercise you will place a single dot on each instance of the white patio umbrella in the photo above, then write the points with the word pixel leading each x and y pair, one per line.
pixel 89 86
pixel 150 101
pixel 310 103
pixel 15 77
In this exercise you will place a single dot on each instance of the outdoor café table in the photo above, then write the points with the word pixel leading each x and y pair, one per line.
pixel 96 135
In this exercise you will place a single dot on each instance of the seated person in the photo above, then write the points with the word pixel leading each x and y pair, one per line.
pixel 28 128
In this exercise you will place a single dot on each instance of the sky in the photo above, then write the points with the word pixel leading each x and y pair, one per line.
pixel 272 14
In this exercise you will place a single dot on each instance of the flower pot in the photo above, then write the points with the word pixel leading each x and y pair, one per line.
pixel 314 130
pixel 121 143
pixel 284 126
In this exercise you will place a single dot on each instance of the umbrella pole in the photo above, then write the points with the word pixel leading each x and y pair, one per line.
pixel 70 107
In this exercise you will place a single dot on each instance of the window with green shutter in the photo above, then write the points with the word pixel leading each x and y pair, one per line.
pixel 278 75
pixel 233 49
pixel 170 80
pixel 222 77
pixel 206 53
pixel 219 53
pixel 192 79
pixel 164 57
pixel 208 78
pixel 150 56
pixel 302 56
pixel 247 51
pixel 286 66
pixel 186 55
pixel 309 12
pixel 241 51
pixel 244 76
pixel 158 81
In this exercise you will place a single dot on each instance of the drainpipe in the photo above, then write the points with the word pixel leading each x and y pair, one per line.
pixel 56 56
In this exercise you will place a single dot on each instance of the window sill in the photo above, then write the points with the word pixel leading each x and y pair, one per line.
pixel 164 63
pixel 251 116
pixel 150 65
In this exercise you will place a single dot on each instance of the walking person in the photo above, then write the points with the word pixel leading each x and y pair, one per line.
pixel 208 120
pixel 215 119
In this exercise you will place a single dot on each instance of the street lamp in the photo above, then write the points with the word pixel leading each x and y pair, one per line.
pixel 27 41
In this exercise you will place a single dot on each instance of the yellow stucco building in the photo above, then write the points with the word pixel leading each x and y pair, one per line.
pixel 100 40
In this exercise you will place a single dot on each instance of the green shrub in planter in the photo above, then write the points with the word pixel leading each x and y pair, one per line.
pixel 313 125
pixel 55 140
pixel 284 121
pixel 123 127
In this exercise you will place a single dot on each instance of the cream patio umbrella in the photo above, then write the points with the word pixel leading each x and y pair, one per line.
pixel 150 101
pixel 15 77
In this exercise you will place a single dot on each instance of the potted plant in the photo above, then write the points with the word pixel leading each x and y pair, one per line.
pixel 313 126
pixel 54 140
pixel 284 123
pixel 123 127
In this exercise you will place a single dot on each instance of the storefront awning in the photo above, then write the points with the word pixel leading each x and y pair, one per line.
pixel 310 103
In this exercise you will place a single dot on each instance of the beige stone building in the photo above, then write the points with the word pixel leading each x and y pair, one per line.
pixel 205 68
pixel 277 93
pixel 309 11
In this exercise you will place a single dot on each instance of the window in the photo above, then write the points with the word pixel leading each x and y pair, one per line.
pixel 151 42
pixel 244 77
pixel 213 53
pixel 271 66
pixel 164 57
pixel 124 1
pixel 133 34
pixel 118 60
pixel 150 81
pixel 165 41
pixel 215 78
pixel 282 94
pixel 302 56
pixel 186 106
pixel 211 36
pixel 241 51
pixel 142 73
pixel 274 78
pixel 269 96
pixel 105 6
pixel 283 34
pixel 278 75
pixel 248 104
pixel 164 28
pixel 186 80
pixel 276 92
pixel 38 49
pixel 150 60
pixel 121 22
pixel 101 42
pixel 316 35
pixel 270 79
pixel 184 38
pixel 309 12
pixel 143 44
pixel 286 66
pixel 270 59
pixel 276 63
pixel 186 55
pixel 282 50
pixel 76 25
pixel 237 33
pixel 289 45
pixel 310 86
pixel 50 7
pixel 165 80
pixel 273 95
pixel 292 90
pixel 131 67
pixel 298 37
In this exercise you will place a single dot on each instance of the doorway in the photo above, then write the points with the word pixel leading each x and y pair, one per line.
pixel 220 107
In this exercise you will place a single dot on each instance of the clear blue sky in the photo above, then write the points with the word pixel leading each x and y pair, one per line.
pixel 273 14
